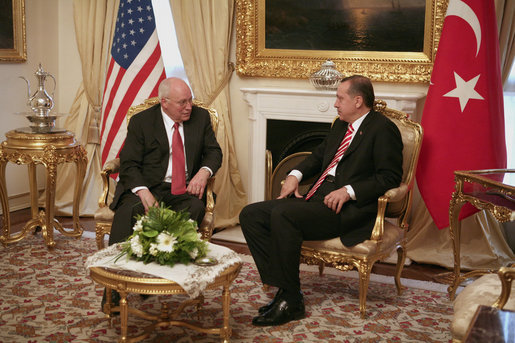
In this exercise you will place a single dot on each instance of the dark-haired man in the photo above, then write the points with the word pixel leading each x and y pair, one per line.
pixel 357 162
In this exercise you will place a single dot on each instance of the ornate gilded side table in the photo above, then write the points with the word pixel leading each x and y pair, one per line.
pixel 492 190
pixel 50 150
pixel 126 281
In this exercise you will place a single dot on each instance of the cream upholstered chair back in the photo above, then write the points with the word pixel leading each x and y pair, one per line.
pixel 411 133
pixel 104 215
pixel 155 100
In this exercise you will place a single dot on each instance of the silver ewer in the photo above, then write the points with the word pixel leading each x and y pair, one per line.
pixel 40 103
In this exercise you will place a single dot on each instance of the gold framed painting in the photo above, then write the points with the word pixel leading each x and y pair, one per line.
pixel 13 47
pixel 387 40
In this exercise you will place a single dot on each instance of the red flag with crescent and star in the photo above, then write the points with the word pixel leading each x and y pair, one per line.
pixel 463 117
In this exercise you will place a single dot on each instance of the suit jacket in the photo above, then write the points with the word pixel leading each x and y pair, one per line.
pixel 371 165
pixel 145 154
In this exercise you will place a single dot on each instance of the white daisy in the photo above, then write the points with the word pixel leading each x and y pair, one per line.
pixel 136 246
pixel 165 242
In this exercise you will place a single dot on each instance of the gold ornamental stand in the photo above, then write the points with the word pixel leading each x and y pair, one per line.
pixel 485 190
pixel 126 281
pixel 50 150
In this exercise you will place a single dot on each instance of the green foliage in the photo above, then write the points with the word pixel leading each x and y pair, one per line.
pixel 164 236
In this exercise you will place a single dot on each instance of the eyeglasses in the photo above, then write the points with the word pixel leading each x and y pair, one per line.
pixel 181 103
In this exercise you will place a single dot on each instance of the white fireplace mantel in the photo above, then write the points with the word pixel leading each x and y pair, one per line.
pixel 296 105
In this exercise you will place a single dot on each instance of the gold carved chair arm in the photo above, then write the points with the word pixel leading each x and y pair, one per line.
pixel 391 195
pixel 207 225
pixel 506 275
pixel 397 194
pixel 111 167
pixel 210 200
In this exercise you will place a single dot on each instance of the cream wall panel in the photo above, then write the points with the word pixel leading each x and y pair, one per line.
pixel 51 42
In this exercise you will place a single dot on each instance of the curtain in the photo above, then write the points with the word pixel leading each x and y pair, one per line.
pixel 94 23
pixel 203 30
pixel 505 10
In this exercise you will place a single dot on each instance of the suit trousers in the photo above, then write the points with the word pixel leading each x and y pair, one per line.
pixel 275 229
pixel 130 205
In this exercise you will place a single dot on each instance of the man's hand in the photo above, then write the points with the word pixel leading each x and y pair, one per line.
pixel 198 184
pixel 336 199
pixel 147 199
pixel 290 185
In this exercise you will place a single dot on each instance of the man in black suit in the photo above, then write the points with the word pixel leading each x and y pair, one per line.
pixel 146 166
pixel 357 162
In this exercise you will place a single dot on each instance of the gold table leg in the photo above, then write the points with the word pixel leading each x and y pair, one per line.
pixel 455 232
pixel 6 228
pixel 81 161
pixel 225 332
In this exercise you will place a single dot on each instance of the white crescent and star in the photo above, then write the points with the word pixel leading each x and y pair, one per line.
pixel 464 90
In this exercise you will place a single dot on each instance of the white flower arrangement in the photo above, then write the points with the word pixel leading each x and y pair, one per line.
pixel 166 237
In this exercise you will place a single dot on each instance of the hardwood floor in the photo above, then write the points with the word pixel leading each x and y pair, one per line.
pixel 415 271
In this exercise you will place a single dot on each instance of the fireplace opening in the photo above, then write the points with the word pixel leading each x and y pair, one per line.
pixel 286 137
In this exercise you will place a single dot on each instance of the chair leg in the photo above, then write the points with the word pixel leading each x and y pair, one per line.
pixel 101 229
pixel 320 268
pixel 99 237
pixel 364 278
pixel 401 257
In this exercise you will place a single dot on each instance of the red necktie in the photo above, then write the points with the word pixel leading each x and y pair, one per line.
pixel 339 153
pixel 178 166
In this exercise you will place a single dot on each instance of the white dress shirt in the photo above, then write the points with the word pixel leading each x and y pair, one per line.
pixel 355 125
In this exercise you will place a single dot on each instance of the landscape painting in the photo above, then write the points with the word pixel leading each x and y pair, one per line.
pixel 345 25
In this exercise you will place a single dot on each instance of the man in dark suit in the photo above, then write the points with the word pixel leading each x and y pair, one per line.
pixel 357 162
pixel 147 159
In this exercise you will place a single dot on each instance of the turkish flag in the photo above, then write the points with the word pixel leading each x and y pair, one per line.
pixel 463 117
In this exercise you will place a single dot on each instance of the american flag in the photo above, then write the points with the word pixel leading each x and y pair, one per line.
pixel 134 73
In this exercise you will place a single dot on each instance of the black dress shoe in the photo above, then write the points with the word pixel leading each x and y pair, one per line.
pixel 268 306
pixel 115 300
pixel 278 296
pixel 281 312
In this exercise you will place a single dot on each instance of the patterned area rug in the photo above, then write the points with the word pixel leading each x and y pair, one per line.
pixel 47 296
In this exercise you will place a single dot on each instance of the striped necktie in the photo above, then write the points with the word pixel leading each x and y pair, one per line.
pixel 339 153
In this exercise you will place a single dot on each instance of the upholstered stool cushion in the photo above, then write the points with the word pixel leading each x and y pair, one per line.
pixel 483 291
pixel 392 235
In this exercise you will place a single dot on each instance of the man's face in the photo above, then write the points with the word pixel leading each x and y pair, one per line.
pixel 345 104
pixel 178 103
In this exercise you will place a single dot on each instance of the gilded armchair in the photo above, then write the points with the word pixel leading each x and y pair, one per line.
pixel 104 215
pixel 386 236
